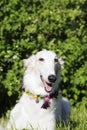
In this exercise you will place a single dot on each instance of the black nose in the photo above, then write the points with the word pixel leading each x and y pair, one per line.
pixel 52 78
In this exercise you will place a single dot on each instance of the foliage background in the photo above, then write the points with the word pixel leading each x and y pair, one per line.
pixel 28 26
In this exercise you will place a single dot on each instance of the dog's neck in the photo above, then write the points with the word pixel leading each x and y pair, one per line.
pixel 45 98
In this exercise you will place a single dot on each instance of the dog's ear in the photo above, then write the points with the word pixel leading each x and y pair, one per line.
pixel 29 62
pixel 60 64
pixel 44 49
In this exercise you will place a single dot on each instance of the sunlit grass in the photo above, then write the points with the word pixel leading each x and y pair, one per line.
pixel 78 120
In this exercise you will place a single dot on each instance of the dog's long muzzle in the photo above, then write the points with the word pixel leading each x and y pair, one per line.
pixel 48 85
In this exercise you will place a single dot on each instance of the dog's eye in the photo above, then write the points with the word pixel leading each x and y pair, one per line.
pixel 41 59
pixel 55 60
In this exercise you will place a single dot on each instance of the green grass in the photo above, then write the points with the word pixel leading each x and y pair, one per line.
pixel 78 120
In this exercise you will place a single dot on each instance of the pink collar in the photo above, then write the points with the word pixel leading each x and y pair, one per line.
pixel 46 98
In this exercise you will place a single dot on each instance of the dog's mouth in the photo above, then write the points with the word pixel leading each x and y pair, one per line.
pixel 47 86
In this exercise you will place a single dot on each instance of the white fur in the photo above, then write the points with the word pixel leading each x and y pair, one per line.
pixel 29 114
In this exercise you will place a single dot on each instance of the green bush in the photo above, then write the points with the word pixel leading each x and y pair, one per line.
pixel 28 26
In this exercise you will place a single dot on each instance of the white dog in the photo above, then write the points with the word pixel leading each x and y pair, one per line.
pixel 41 105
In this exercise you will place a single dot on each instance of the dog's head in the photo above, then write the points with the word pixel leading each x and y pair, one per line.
pixel 43 71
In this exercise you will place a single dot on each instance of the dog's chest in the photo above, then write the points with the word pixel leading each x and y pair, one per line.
pixel 34 111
